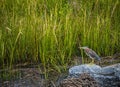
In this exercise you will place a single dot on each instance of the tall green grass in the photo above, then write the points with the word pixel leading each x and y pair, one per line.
pixel 49 32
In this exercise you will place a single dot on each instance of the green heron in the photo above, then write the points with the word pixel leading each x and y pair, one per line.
pixel 92 54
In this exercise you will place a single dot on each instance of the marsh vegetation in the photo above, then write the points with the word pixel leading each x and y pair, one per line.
pixel 49 32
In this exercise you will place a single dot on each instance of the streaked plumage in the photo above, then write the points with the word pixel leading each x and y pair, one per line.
pixel 92 54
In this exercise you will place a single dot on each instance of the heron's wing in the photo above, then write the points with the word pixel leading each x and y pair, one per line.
pixel 92 54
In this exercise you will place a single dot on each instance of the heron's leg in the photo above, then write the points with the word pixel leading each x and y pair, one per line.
pixel 92 62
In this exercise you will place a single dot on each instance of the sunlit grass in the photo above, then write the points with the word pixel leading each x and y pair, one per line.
pixel 50 32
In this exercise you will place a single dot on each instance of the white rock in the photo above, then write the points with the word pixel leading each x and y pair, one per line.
pixel 109 75
pixel 86 68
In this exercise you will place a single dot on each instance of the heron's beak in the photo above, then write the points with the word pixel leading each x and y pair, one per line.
pixel 80 47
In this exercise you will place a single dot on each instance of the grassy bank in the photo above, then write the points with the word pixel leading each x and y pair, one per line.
pixel 49 32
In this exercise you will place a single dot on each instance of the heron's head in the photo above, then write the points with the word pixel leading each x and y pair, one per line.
pixel 84 47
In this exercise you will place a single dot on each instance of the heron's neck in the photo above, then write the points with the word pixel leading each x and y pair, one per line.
pixel 87 50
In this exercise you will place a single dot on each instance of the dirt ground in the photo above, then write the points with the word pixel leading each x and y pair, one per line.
pixel 31 77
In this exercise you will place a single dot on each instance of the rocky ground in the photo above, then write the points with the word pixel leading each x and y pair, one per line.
pixel 85 80
pixel 31 77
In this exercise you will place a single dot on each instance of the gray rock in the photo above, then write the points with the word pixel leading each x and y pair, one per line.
pixel 86 68
pixel 108 76
pixel 117 70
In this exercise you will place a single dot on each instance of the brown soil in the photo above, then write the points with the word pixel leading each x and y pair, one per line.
pixel 85 80
pixel 31 77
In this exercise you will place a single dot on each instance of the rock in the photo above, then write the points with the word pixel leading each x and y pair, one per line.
pixel 86 68
pixel 117 70
pixel 108 76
